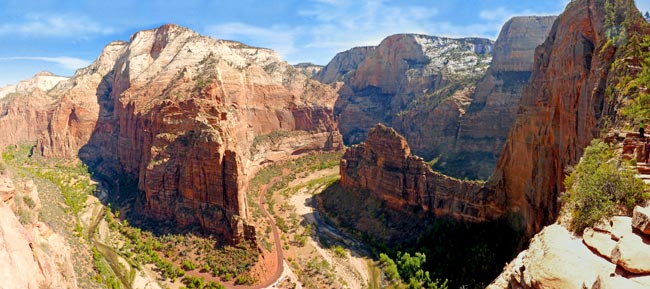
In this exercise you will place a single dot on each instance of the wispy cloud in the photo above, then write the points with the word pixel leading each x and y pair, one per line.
pixel 67 25
pixel 363 22
pixel 279 38
pixel 65 62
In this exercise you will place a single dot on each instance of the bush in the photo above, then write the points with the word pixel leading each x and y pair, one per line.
pixel 600 186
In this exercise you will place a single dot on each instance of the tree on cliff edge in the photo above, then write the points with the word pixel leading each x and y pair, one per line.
pixel 647 16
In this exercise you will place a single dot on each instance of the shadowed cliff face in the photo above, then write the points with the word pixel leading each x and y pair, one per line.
pixel 563 108
pixel 189 119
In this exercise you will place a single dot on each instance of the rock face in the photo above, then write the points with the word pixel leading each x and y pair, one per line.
pixel 383 164
pixel 611 255
pixel 413 83
pixel 562 109
pixel 484 128
pixel 32 255
pixel 190 119
pixel 344 64
pixel 43 81
pixel 23 108
pixel 309 69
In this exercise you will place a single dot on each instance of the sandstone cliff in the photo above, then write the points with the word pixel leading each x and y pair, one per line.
pixel 43 81
pixel 483 129
pixel 31 254
pixel 309 69
pixel 414 83
pixel 344 64
pixel 563 108
pixel 23 108
pixel 383 164
pixel 190 119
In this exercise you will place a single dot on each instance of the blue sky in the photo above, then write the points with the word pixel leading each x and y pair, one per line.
pixel 61 35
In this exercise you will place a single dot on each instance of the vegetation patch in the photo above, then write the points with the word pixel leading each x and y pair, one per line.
pixel 600 186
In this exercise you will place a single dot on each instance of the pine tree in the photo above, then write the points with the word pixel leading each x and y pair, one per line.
pixel 647 16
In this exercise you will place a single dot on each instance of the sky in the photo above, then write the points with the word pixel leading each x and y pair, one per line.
pixel 63 35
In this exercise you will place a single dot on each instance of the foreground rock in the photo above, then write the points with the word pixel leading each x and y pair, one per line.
pixel 557 259
pixel 32 255
pixel 188 118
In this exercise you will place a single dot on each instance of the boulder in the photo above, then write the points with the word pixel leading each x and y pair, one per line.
pixel 599 241
pixel 641 219
pixel 632 253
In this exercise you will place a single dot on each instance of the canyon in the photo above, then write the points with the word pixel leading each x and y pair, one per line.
pixel 183 122
pixel 439 93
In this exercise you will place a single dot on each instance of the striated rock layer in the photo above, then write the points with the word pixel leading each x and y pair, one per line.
pixel 564 107
pixel 190 119
pixel 383 164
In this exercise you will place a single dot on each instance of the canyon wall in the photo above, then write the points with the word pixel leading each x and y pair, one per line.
pixel 23 108
pixel 190 119
pixel 565 106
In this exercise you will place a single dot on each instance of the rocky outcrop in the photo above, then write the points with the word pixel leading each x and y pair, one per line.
pixel 414 83
pixel 43 81
pixel 309 69
pixel 33 256
pixel 483 129
pixel 189 118
pixel 344 64
pixel 383 164
pixel 562 109
pixel 611 255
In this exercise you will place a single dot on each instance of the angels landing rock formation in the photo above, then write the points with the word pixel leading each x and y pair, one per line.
pixel 384 165
pixel 190 119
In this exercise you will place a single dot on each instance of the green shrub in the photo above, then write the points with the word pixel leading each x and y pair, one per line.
pixel 600 186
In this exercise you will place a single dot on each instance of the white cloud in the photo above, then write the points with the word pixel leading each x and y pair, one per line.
pixel 279 38
pixel 364 24
pixel 66 25
pixel 65 62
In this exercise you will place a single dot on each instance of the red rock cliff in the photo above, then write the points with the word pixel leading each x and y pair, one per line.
pixel 383 164
pixel 187 116
pixel 562 109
